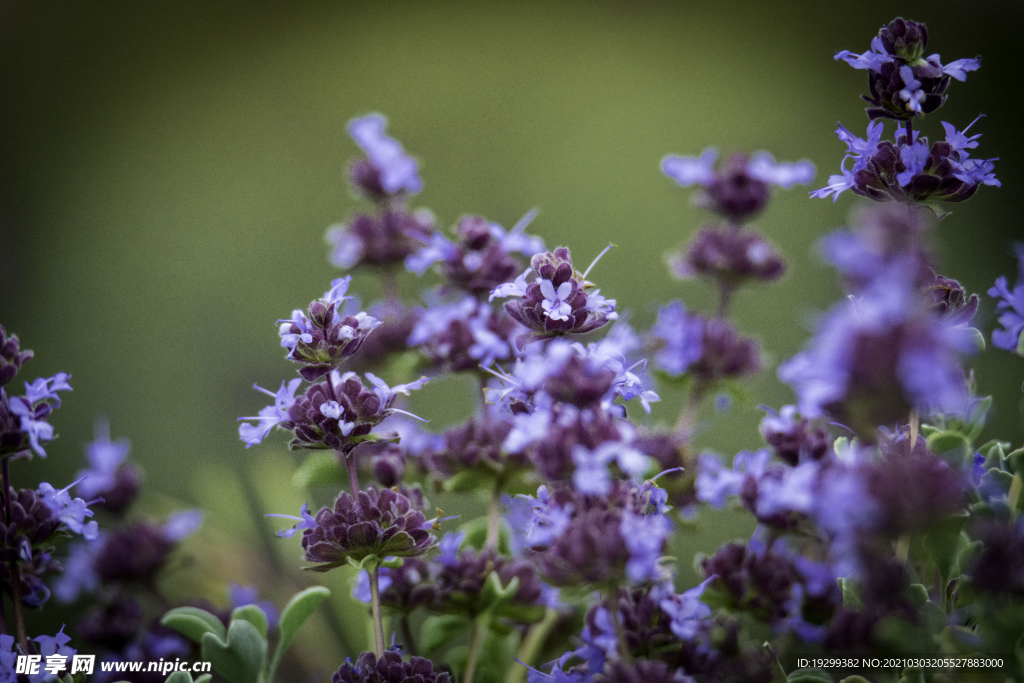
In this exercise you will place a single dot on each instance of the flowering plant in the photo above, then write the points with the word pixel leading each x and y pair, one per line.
pixel 884 527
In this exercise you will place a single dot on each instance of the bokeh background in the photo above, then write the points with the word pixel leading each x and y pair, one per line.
pixel 168 170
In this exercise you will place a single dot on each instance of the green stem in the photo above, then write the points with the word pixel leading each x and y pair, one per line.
pixel 378 623
pixel 410 642
pixel 19 619
pixel 353 473
pixel 494 518
pixel 684 426
pixel 475 645
pixel 532 646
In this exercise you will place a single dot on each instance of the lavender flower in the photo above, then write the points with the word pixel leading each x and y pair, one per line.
pixel 338 413
pixel 403 588
pixel 1010 307
pixel 328 336
pixel 741 188
pixel 388 669
pixel 11 358
pixel 395 171
pixel 463 335
pixel 794 438
pixel 592 477
pixel 482 257
pixel 557 301
pixel 731 257
pixel 645 537
pixel 381 241
pixel 271 416
pixel 681 337
pixel 901 81
pixel 380 524
pixel 23 422
pixel 71 512
pixel 109 477
pixel 950 300
pixel 476 446
pixel 907 171
pixel 137 552
pixel 875 358
pixel 687 612
pixel 460 581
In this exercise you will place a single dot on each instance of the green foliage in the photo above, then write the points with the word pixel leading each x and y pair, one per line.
pixel 239 654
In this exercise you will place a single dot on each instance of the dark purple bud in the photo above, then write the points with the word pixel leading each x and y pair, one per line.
pixel 389 466
pixel 734 193
pixel 950 300
pixel 112 625
pixel 388 669
pixel 725 354
pixel 136 552
pixel 730 256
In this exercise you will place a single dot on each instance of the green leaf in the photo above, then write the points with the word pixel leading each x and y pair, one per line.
pixel 205 678
pixel 296 612
pixel 254 615
pixel 851 593
pixel 494 593
pixel 241 659
pixel 975 337
pixel 193 623
pixel 440 630
pixel 952 447
pixel 911 675
pixel 942 542
pixel 855 679
pixel 320 469
pixel 918 595
pixel 1015 461
pixel 179 677
pixel 810 676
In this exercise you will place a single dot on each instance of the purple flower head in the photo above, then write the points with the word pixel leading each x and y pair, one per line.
pixel 686 610
pixel 558 301
pixel 79 571
pixel 715 483
pixel 448 549
pixel 590 376
pixel 53 646
pixel 389 668
pixel 559 673
pixel 305 521
pixel 328 335
pixel 23 419
pixel 725 354
pixel 71 512
pixel 914 172
pixel 876 357
pixel 396 323
pixel 794 438
pixel 133 553
pixel 395 170
pixel 482 257
pixel 463 335
pixel 950 300
pixel 460 582
pixel 24 541
pixel 11 360
pixel 380 523
pixel 592 477
pixel 901 82
pixel 550 436
pixel 271 416
pixel 339 412
pixel 730 256
pixel 109 477
pixel 547 519
pixel 476 446
pixel 681 336
pixel 645 537
pixel 382 241
pixel 741 187
pixel 1010 308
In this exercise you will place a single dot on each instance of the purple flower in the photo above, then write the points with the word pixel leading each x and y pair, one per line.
pixel 306 521
pixel 388 668
pixel 730 256
pixel 361 588
pixel 50 646
pixel 463 335
pixel 397 171
pixel 72 512
pixel 547 520
pixel 591 476
pixel 911 92
pixel 875 357
pixel 558 301
pixel 448 548
pixel 686 610
pixel 380 523
pixel 329 335
pixel 482 258
pixel 384 240
pixel 645 537
pixel 79 571
pixel 914 158
pixel 109 477
pixel 682 338
pixel 740 188
pixel 11 360
pixel 271 416
pixel 715 483
pixel 1010 308
pixel 239 596
pixel 873 59
pixel 23 418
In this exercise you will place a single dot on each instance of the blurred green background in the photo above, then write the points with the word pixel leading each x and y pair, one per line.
pixel 168 170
